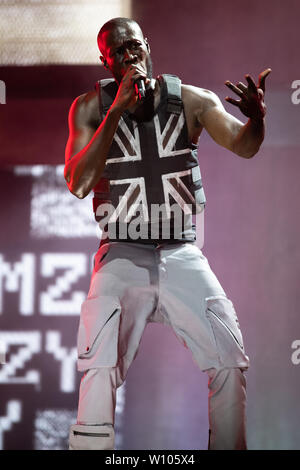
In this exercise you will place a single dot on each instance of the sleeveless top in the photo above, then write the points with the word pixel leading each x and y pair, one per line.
pixel 151 185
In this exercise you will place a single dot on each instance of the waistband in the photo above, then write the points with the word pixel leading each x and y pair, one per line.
pixel 148 242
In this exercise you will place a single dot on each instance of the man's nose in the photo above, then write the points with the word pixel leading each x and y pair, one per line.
pixel 129 58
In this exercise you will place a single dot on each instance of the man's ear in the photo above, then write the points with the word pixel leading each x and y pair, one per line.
pixel 147 44
pixel 103 60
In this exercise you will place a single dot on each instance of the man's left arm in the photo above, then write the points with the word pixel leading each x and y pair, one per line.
pixel 242 139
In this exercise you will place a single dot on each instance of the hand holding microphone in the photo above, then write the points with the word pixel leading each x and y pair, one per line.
pixel 139 83
pixel 132 87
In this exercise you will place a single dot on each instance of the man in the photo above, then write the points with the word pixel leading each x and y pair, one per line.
pixel 142 272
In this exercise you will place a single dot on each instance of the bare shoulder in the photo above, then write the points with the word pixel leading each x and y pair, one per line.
pixel 196 102
pixel 197 98
pixel 85 110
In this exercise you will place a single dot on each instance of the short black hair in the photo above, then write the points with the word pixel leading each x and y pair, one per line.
pixel 115 22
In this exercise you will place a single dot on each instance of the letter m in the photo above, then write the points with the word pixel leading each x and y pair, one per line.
pixel 18 276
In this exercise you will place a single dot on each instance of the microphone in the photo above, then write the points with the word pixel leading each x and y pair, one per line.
pixel 140 88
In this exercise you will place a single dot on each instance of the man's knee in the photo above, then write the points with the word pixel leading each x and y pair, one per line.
pixel 102 376
pixel 229 378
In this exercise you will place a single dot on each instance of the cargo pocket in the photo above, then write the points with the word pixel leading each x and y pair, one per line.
pixel 98 333
pixel 226 330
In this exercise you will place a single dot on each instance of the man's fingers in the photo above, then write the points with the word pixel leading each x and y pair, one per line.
pixel 135 69
pixel 234 88
pixel 262 78
pixel 232 101
pixel 251 102
pixel 138 68
pixel 251 83
pixel 134 74
pixel 241 86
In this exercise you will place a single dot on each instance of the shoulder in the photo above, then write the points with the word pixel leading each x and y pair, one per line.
pixel 85 109
pixel 196 102
pixel 200 98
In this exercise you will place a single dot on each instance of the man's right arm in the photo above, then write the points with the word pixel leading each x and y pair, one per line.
pixel 87 149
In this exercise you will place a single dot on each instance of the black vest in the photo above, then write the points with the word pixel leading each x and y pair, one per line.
pixel 151 185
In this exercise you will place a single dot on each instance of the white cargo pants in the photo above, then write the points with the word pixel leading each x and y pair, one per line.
pixel 133 284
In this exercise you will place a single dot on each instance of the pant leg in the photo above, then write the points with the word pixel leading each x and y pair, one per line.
pixel 205 321
pixel 113 317
pixel 227 409
pixel 96 410
pixel 97 396
pixel 86 437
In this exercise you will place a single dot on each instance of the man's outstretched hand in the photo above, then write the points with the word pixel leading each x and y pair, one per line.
pixel 251 101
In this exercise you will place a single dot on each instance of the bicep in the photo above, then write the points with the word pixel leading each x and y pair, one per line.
pixel 80 130
pixel 220 125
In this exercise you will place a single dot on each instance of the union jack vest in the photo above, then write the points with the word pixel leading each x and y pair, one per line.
pixel 151 185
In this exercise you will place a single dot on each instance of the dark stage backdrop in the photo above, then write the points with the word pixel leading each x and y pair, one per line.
pixel 48 239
